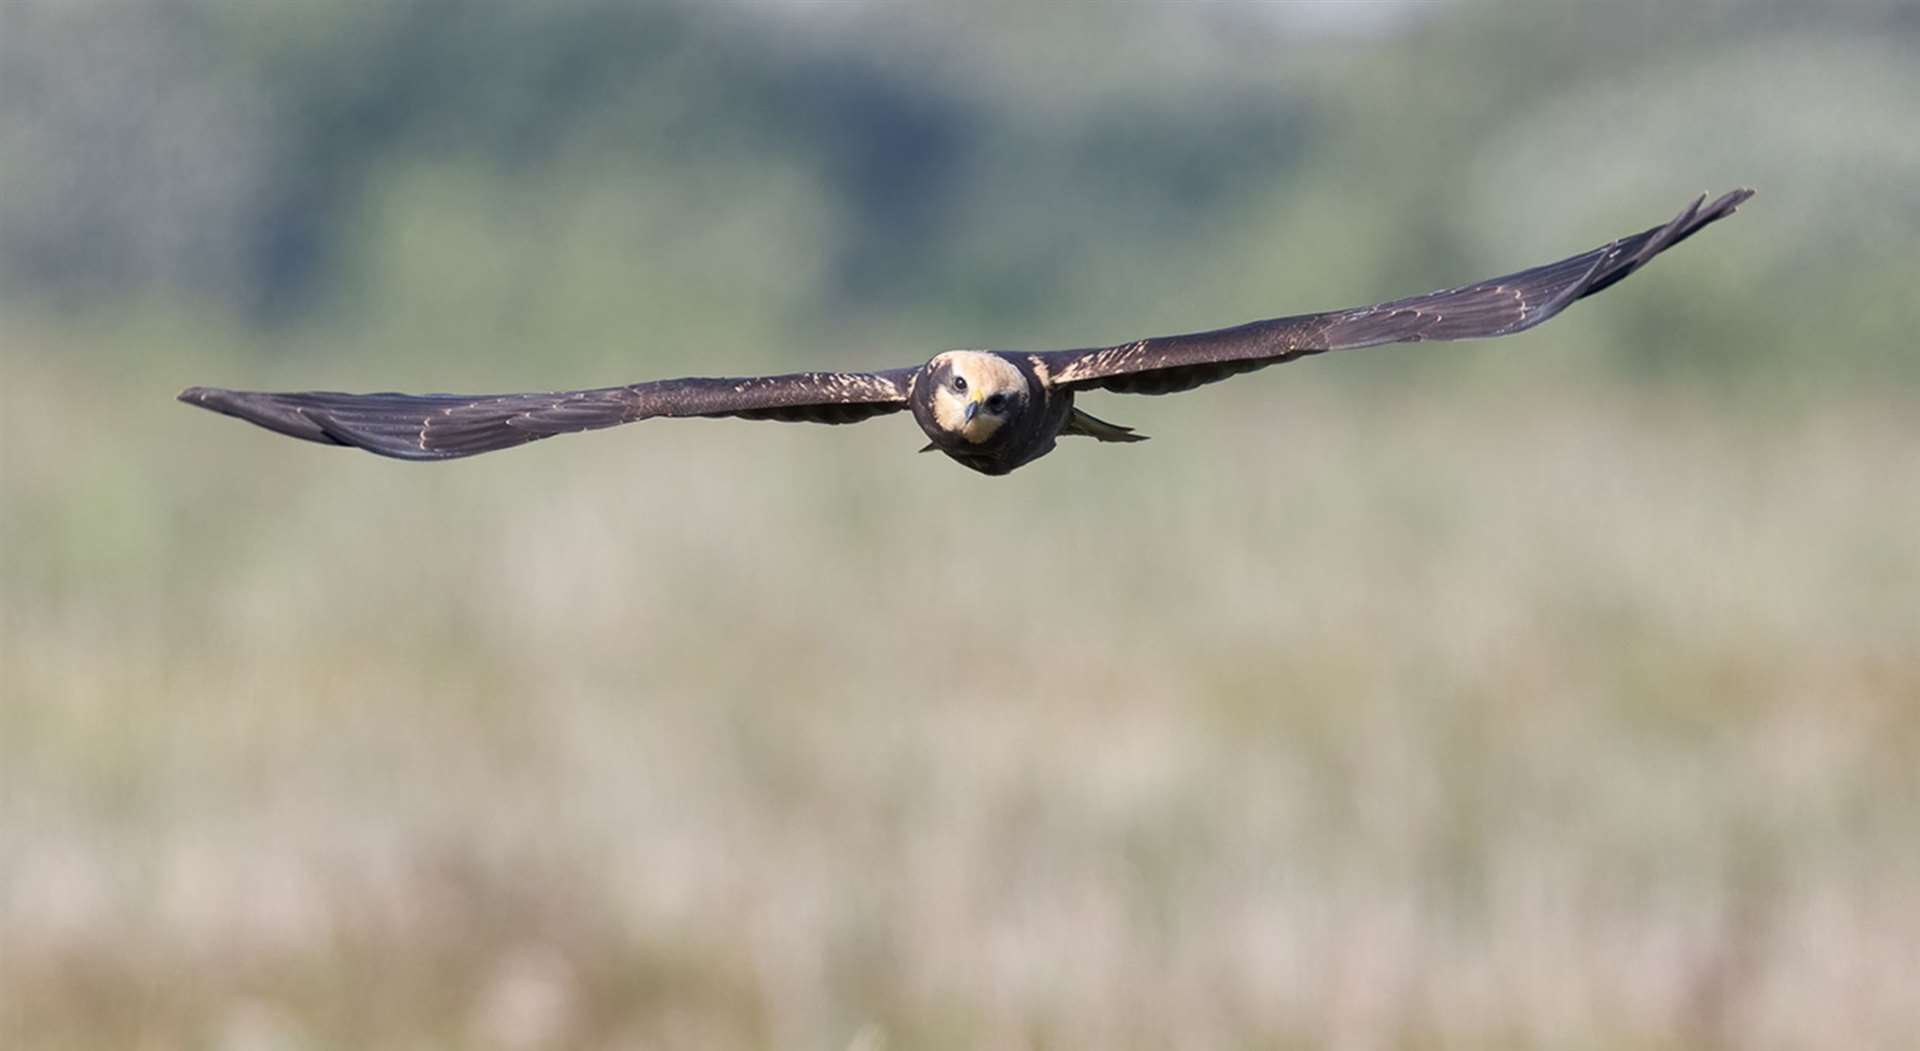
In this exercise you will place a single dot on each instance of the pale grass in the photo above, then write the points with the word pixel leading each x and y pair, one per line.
pixel 1484 714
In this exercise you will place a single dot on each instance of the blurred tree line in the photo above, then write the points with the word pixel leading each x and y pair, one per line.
pixel 561 171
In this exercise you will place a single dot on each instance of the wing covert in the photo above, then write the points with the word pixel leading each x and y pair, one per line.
pixel 1495 307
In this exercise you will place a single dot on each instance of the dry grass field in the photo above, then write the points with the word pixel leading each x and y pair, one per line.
pixel 1493 710
pixel 1560 691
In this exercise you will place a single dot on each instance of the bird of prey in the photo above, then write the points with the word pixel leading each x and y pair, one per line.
pixel 993 411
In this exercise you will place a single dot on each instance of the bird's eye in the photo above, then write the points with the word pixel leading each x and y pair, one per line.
pixel 996 403
pixel 959 385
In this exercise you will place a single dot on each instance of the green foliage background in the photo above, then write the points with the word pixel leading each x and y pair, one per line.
pixel 1554 691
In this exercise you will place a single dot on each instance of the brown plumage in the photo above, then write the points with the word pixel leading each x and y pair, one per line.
pixel 990 410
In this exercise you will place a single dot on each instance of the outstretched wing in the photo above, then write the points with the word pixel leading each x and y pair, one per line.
pixel 446 426
pixel 1495 307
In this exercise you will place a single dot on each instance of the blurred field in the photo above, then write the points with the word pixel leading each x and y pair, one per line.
pixel 1480 714
pixel 1559 692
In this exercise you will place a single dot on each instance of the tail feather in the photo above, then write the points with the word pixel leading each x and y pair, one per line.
pixel 1090 426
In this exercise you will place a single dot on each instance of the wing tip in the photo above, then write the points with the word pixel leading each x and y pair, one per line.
pixel 260 409
pixel 1722 206
pixel 1732 199
pixel 202 396
pixel 329 422
pixel 1697 215
pixel 1610 269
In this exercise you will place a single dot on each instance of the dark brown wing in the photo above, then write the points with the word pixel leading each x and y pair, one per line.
pixel 1496 307
pixel 446 426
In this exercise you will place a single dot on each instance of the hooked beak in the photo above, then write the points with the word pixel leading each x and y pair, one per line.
pixel 973 409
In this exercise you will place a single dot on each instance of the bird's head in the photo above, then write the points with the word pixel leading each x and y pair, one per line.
pixel 973 393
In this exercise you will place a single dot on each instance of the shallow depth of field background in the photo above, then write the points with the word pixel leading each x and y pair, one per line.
pixel 1558 691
